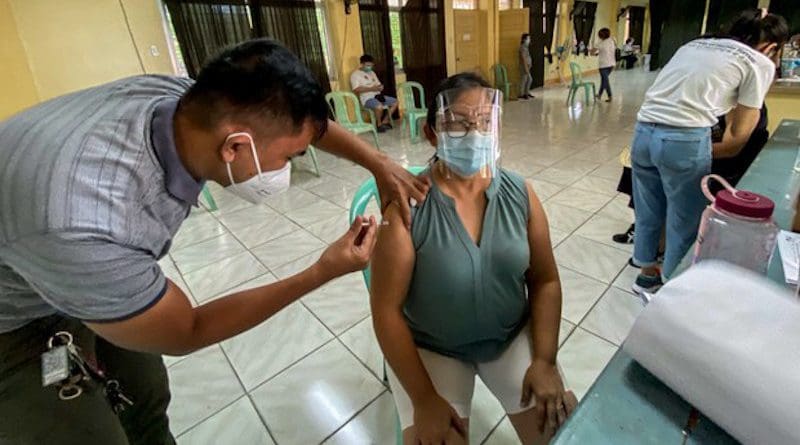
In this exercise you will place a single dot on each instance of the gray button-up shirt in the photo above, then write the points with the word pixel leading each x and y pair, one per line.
pixel 91 193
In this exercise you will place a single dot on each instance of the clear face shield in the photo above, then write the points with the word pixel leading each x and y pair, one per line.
pixel 468 130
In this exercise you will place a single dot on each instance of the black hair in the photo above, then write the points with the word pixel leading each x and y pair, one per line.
pixel 751 29
pixel 366 58
pixel 524 36
pixel 457 81
pixel 258 79
pixel 604 33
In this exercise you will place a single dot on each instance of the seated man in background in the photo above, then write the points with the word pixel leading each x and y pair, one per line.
pixel 366 84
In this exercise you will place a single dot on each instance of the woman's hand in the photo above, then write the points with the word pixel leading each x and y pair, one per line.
pixel 398 185
pixel 553 405
pixel 434 420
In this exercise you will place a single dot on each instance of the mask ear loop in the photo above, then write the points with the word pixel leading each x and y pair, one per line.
pixel 255 156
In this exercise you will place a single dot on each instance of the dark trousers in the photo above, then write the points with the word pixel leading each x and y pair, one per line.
pixel 604 84
pixel 31 414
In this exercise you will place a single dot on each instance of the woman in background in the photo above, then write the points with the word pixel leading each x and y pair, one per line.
pixel 606 60
pixel 672 147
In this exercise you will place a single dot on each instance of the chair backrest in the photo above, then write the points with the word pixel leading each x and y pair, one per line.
pixel 338 104
pixel 500 76
pixel 577 73
pixel 409 98
pixel 365 193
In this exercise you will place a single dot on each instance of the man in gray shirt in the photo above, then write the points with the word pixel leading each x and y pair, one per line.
pixel 94 185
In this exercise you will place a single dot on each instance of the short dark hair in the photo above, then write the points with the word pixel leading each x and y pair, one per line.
pixel 524 36
pixel 256 79
pixel 604 33
pixel 461 80
pixel 366 58
pixel 751 29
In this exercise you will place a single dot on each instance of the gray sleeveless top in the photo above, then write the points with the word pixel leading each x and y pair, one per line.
pixel 465 300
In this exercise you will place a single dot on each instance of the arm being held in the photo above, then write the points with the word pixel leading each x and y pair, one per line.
pixel 392 268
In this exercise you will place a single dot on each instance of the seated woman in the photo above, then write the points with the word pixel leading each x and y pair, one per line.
pixel 472 288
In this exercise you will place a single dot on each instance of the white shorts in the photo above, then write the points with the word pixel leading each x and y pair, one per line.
pixel 454 379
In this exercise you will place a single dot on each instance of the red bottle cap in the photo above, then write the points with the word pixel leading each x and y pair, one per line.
pixel 744 203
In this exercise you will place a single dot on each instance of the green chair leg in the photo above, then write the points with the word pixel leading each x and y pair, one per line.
pixel 413 130
pixel 398 429
pixel 586 94
pixel 212 205
pixel 313 152
pixel 375 137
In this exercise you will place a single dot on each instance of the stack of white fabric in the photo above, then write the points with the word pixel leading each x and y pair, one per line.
pixel 728 341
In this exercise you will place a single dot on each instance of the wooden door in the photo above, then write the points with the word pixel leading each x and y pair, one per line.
pixel 513 23
pixel 467 39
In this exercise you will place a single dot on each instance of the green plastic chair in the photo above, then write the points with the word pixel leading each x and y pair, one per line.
pixel 501 80
pixel 578 82
pixel 365 193
pixel 338 104
pixel 413 112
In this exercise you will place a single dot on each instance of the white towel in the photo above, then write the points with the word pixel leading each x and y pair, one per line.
pixel 728 341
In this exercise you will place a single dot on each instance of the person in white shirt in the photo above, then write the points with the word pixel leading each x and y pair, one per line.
pixel 672 149
pixel 606 60
pixel 368 87
pixel 629 53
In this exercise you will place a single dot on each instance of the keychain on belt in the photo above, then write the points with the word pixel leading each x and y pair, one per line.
pixel 63 366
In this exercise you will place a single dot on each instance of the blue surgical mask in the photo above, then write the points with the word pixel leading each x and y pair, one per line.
pixel 466 155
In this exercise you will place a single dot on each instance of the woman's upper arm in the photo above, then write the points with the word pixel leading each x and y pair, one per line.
pixel 543 263
pixel 392 263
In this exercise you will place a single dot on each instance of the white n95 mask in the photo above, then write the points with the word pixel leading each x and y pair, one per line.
pixel 264 184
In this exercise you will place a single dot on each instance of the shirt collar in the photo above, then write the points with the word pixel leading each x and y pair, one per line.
pixel 180 183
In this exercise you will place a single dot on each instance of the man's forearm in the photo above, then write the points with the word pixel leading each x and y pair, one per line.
pixel 342 143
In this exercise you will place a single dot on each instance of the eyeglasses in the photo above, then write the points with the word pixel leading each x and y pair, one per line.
pixel 458 128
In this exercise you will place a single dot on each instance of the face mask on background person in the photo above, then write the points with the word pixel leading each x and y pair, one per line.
pixel 368 68
pixel 264 184
pixel 466 155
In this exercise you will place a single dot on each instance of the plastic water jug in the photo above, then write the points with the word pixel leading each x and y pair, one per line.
pixel 736 227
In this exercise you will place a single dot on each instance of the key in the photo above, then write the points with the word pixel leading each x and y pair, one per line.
pixel 118 400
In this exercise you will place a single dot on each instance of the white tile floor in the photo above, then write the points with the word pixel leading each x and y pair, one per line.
pixel 312 373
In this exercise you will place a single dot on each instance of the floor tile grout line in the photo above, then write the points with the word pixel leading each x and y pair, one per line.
pixel 363 363
pixel 196 424
pixel 494 428
pixel 380 379
pixel 261 417
pixel 285 368
pixel 384 391
pixel 246 393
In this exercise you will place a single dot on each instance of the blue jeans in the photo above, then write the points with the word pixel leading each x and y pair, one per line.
pixel 375 103
pixel 668 164
pixel 605 85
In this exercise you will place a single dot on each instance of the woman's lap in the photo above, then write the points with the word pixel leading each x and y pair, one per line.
pixel 454 379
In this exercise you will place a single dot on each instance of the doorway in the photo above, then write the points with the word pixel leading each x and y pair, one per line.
pixel 467 39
